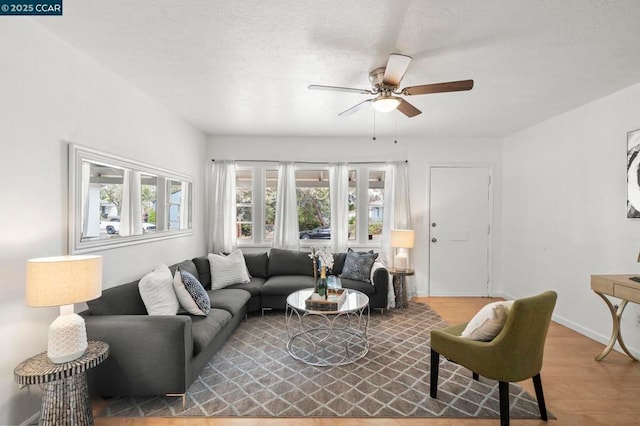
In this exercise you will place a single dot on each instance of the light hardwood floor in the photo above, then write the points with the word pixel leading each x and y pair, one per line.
pixel 578 390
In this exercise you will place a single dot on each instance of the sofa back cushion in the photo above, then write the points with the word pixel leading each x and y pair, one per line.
pixel 257 264
pixel 120 300
pixel 338 263
pixel 204 271
pixel 186 265
pixel 289 262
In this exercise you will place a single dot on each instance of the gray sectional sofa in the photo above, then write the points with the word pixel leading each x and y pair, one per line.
pixel 160 355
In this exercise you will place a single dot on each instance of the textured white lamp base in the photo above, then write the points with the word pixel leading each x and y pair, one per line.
pixel 67 336
pixel 401 261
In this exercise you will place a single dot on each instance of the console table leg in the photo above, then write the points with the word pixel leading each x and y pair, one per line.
pixel 616 333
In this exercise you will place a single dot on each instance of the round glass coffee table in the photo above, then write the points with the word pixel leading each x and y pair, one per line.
pixel 328 337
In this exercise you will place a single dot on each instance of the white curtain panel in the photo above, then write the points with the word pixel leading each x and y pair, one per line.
pixel 286 230
pixel 222 207
pixel 339 194
pixel 131 208
pixel 397 214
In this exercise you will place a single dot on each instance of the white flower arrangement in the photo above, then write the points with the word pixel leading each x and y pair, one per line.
pixel 323 256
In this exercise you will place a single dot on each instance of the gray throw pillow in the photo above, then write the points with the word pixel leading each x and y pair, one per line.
pixel 357 266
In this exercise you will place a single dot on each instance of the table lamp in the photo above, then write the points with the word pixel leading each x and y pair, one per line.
pixel 63 281
pixel 401 240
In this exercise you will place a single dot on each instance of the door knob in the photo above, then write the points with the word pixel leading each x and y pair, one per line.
pixel 433 240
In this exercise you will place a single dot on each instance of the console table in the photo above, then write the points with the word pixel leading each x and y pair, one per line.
pixel 65 399
pixel 621 287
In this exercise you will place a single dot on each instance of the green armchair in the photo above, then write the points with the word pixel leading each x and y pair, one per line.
pixel 512 356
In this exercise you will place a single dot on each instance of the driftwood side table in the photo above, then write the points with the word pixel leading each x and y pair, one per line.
pixel 65 397
pixel 399 286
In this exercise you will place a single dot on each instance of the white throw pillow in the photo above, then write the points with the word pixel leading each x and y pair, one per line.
pixel 228 270
pixel 156 290
pixel 488 322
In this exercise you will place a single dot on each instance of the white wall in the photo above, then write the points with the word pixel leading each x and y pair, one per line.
pixel 565 211
pixel 420 153
pixel 52 93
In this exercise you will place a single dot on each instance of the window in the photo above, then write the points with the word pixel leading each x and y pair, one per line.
pixel 353 205
pixel 244 204
pixel 375 204
pixel 270 191
pixel 256 186
pixel 314 204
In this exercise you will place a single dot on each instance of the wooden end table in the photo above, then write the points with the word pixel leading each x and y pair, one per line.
pixel 399 288
pixel 65 397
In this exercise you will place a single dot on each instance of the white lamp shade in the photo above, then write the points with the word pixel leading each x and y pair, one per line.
pixel 402 238
pixel 63 280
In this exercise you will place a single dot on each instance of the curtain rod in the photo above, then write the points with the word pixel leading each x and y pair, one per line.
pixel 314 162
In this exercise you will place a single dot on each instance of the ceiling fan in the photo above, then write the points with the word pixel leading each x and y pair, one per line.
pixel 385 82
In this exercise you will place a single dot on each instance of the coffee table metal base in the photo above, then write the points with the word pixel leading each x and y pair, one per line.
pixel 328 339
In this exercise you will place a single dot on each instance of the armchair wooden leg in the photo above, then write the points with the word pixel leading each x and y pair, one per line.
pixel 537 384
pixel 503 391
pixel 435 369
pixel 476 376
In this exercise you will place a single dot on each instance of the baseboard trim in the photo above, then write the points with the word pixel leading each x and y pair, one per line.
pixel 33 420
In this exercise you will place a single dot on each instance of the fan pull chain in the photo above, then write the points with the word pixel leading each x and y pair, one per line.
pixel 374 123
pixel 395 139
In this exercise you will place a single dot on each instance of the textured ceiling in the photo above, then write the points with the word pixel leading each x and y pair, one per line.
pixel 243 67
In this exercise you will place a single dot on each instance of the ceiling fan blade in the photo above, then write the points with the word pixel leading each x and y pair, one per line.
pixel 396 67
pixel 407 109
pixel 356 107
pixel 340 89
pixel 451 86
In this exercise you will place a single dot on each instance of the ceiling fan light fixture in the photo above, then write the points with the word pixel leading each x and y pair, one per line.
pixel 386 104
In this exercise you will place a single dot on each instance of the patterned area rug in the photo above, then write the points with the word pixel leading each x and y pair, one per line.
pixel 254 375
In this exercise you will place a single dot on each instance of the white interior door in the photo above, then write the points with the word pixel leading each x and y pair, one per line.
pixel 459 201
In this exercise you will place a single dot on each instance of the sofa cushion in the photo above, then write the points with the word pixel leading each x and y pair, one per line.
pixel 283 285
pixel 204 271
pixel 338 263
pixel 192 296
pixel 205 329
pixel 361 286
pixel 227 270
pixel 230 299
pixel 185 265
pixel 158 295
pixel 119 300
pixel 289 262
pixel 257 264
pixel 254 286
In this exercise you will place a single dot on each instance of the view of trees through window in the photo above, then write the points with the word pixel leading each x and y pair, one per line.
pixel 244 204
pixel 376 204
pixel 255 212
pixel 314 204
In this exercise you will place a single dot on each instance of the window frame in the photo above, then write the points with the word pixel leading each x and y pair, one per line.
pixel 259 169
